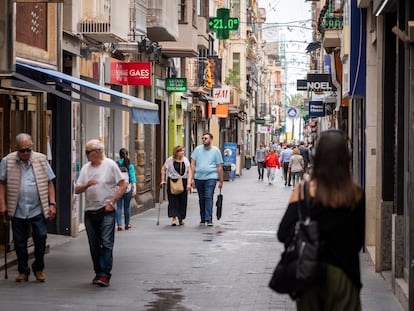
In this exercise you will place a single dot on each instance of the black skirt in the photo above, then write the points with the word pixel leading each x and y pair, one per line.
pixel 177 203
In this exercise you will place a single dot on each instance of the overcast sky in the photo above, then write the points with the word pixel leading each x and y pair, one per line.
pixel 282 11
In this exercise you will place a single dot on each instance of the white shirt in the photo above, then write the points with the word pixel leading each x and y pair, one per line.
pixel 108 176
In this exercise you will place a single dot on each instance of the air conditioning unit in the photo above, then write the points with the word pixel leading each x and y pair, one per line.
pixel 104 21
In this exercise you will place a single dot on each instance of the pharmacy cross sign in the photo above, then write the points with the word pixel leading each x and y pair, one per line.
pixel 223 23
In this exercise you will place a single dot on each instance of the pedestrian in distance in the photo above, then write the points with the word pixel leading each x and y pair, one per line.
pixel 260 154
pixel 27 195
pixel 104 185
pixel 124 203
pixel 304 152
pixel 284 160
pixel 271 161
pixel 207 167
pixel 175 167
pixel 310 155
pixel 338 206
pixel 296 166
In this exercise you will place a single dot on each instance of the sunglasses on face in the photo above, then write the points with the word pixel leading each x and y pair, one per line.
pixel 87 152
pixel 25 150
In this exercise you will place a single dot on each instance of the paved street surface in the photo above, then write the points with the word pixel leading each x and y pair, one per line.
pixel 225 267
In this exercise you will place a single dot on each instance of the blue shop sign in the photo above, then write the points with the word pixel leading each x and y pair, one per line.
pixel 316 109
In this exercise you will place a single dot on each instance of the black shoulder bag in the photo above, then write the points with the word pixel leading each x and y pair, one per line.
pixel 300 266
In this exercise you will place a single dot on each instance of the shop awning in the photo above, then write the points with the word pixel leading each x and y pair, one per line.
pixel 142 111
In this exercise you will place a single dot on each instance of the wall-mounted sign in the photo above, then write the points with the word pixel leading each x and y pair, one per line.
pixel 159 88
pixel 222 111
pixel 320 82
pixel 176 85
pixel 222 95
pixel 292 113
pixel 128 73
pixel 223 23
pixel 259 121
pixel 316 109
pixel 262 129
pixel 301 85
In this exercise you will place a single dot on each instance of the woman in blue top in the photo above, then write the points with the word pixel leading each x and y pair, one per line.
pixel 128 171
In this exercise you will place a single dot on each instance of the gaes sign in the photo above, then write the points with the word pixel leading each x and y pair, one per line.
pixel 130 73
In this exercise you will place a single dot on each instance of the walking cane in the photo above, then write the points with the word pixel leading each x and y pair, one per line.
pixel 6 242
pixel 159 207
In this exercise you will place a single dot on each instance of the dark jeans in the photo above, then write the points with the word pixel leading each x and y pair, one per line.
pixel 286 174
pixel 205 189
pixel 260 169
pixel 20 228
pixel 100 227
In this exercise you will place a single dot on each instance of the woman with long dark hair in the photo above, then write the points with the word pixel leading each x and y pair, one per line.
pixel 338 205
pixel 128 171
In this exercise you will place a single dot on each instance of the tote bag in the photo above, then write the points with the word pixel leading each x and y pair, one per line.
pixel 177 187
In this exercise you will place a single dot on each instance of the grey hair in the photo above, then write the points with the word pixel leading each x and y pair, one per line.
pixel 21 137
pixel 96 144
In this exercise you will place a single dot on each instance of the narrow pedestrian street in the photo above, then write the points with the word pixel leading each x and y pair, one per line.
pixel 160 267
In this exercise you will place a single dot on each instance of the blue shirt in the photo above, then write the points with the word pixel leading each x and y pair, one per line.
pixel 285 155
pixel 206 162
pixel 28 205
pixel 132 178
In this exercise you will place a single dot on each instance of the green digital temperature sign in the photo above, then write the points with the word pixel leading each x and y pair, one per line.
pixel 223 23
pixel 232 23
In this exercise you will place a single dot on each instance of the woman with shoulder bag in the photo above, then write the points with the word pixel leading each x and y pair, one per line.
pixel 174 172
pixel 338 205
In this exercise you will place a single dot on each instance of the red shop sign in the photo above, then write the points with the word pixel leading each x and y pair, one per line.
pixel 130 73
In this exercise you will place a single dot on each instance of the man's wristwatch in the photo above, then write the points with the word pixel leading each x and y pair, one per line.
pixel 52 203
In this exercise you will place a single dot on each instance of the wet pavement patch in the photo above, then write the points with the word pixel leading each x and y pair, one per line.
pixel 207 237
pixel 168 299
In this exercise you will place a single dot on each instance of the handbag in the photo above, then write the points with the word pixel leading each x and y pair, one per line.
pixel 219 205
pixel 177 187
pixel 300 266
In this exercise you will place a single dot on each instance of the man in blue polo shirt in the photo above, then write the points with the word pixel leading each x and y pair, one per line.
pixel 207 167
